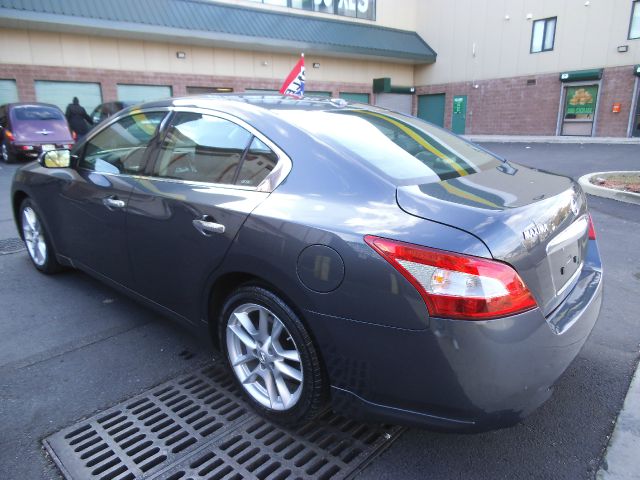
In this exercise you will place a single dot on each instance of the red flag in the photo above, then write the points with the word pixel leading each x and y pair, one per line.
pixel 294 83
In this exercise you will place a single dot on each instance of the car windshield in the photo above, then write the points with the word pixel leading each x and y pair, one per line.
pixel 405 149
pixel 33 112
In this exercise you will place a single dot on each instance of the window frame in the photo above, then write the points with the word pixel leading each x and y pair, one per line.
pixel 334 9
pixel 635 4
pixel 544 34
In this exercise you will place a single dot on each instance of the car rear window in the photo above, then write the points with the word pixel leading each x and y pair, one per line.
pixel 36 113
pixel 403 148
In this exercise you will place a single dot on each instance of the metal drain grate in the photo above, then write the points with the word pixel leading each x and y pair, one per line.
pixel 196 427
pixel 138 437
pixel 11 245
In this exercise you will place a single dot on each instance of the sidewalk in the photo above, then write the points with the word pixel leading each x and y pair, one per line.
pixel 621 459
pixel 550 139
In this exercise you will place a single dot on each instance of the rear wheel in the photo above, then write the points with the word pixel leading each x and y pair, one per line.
pixel 36 239
pixel 5 153
pixel 271 355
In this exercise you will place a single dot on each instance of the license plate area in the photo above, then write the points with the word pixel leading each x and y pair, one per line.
pixel 564 264
pixel 47 146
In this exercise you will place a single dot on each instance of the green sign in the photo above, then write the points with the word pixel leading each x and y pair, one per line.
pixel 458 103
pixel 581 100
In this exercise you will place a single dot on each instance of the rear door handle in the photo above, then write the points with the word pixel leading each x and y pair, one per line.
pixel 113 202
pixel 206 227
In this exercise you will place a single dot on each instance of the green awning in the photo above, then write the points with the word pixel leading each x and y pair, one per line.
pixel 581 75
pixel 383 85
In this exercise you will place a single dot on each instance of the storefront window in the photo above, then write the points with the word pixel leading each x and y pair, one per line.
pixel 349 8
pixel 8 91
pixel 142 93
pixel 61 93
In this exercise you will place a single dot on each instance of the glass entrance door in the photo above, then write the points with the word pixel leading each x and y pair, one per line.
pixel 579 110
pixel 635 132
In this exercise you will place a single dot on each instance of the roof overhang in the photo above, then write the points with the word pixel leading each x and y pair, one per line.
pixel 53 22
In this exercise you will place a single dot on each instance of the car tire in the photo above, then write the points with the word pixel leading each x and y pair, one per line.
pixel 5 153
pixel 283 353
pixel 36 238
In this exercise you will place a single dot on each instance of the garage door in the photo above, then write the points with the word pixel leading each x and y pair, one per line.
pixel 62 93
pixel 355 97
pixel 8 91
pixel 143 93
pixel 395 101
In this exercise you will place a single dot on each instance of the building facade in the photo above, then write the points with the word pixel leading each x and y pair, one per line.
pixel 514 67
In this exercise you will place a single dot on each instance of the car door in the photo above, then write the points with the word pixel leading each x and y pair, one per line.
pixel 185 214
pixel 93 218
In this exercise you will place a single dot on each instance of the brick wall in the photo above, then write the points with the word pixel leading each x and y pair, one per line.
pixel 25 75
pixel 509 106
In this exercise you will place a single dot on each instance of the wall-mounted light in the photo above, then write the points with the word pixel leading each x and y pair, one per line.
pixel 623 48
pixel 181 55
pixel 587 3
pixel 507 17
pixel 264 63
pixel 316 65
pixel 529 16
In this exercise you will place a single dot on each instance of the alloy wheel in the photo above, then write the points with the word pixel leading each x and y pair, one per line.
pixel 34 236
pixel 264 357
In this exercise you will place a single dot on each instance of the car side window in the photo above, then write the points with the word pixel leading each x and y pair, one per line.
pixel 202 148
pixel 120 147
pixel 257 164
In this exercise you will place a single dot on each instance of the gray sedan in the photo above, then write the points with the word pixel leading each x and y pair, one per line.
pixel 332 251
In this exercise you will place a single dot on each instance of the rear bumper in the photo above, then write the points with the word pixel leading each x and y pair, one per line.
pixel 458 375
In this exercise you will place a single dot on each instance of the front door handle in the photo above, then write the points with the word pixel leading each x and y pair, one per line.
pixel 113 202
pixel 206 227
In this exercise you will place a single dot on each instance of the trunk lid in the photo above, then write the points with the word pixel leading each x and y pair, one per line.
pixel 535 221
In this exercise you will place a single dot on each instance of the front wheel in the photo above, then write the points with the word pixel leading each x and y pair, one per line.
pixel 36 239
pixel 272 356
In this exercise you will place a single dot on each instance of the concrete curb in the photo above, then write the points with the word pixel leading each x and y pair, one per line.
pixel 598 191
pixel 551 139
pixel 621 458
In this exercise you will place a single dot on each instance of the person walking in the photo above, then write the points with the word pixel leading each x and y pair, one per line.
pixel 79 121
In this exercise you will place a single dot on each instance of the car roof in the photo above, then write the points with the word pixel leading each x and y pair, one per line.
pixel 31 104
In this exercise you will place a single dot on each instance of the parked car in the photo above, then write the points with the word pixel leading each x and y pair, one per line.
pixel 27 129
pixel 330 250
pixel 107 109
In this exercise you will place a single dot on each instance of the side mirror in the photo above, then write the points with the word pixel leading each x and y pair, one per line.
pixel 55 159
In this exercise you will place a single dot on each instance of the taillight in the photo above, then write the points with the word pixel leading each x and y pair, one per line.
pixel 455 285
pixel 9 135
pixel 74 135
pixel 592 231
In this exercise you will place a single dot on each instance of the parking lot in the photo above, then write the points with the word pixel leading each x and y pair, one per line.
pixel 71 347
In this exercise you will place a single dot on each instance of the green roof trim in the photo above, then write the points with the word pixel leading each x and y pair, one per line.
pixel 216 24
pixel 383 85
pixel 581 75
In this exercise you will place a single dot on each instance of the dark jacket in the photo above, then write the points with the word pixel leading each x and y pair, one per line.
pixel 79 121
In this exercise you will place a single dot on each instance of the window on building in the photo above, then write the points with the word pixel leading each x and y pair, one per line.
pixel 355 97
pixel 61 93
pixel 349 8
pixel 634 28
pixel 8 91
pixel 142 93
pixel 543 35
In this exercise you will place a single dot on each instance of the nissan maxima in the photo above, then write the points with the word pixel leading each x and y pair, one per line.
pixel 333 252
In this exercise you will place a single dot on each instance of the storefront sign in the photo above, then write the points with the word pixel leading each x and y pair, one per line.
pixel 581 101
pixel 616 107
pixel 458 104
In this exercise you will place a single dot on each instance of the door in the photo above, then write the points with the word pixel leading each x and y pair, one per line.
pixel 580 103
pixel 397 102
pixel 185 214
pixel 431 108
pixel 96 196
pixel 459 114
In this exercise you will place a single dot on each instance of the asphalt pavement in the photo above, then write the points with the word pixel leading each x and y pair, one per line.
pixel 70 347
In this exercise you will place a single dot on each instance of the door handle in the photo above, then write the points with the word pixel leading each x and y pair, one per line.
pixel 113 202
pixel 206 227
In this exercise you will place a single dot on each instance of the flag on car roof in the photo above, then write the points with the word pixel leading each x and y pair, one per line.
pixel 294 83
